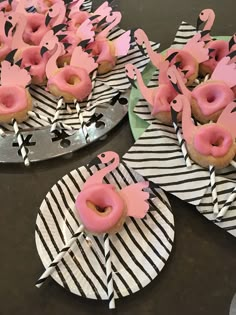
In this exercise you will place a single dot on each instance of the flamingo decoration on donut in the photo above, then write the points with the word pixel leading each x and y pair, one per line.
pixel 212 143
pixel 76 16
pixel 158 98
pixel 5 41
pixel 101 207
pixel 56 14
pixel 218 49
pixel 107 51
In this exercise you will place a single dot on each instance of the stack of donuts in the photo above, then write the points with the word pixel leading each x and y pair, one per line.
pixel 59 45
pixel 197 85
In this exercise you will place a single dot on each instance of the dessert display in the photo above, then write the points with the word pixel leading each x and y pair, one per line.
pixel 70 52
pixel 195 160
pixel 116 229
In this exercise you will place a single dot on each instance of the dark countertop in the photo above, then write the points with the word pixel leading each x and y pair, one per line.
pixel 199 277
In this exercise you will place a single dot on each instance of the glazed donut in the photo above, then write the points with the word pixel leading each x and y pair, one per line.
pixel 210 144
pixel 71 83
pixel 101 209
pixel 187 64
pixel 104 49
pixel 15 102
pixel 35 28
pixel 219 50
pixel 32 58
pixel 209 99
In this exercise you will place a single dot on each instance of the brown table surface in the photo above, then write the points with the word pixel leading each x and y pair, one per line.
pixel 199 277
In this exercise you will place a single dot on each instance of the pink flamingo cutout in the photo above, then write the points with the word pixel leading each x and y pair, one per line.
pixel 206 16
pixel 13 75
pixel 209 144
pixel 159 98
pixel 133 197
pixel 56 14
pixel 5 41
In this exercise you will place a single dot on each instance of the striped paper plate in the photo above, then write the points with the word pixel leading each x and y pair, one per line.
pixel 157 156
pixel 138 252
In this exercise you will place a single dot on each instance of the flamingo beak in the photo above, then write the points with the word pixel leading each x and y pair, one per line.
pixel 174 115
pixel 131 81
pixel 43 50
pixel 94 161
pixel 199 22
pixel 48 19
pixel 231 43
pixel 175 86
pixel 10 56
pixel 171 56
pixel 232 54
pixel 142 50
pixel 7 27
pixel 204 33
pixel 84 43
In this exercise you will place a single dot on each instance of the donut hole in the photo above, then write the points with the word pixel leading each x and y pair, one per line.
pixel 211 98
pixel 7 100
pixel 217 142
pixel 35 28
pixel 72 80
pixel 99 209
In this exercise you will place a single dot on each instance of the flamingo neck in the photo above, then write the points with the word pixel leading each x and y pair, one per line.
pixel 59 19
pixel 107 29
pixel 17 40
pixel 187 123
pixel 162 78
pixel 143 88
pixel 182 86
pixel 155 58
pixel 208 25
pixel 97 178
pixel 51 66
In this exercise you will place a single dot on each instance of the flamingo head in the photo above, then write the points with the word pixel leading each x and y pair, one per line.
pixel 105 157
pixel 177 106
pixel 12 20
pixel 48 42
pixel 130 73
pixel 204 16
pixel 112 16
pixel 54 11
pixel 173 77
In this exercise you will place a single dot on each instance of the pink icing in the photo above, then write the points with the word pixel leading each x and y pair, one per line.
pixel 35 28
pixel 76 19
pixel 62 78
pixel 101 195
pixel 101 48
pixel 187 61
pixel 213 140
pixel 31 57
pixel 12 99
pixel 220 50
pixel 212 96
pixel 162 99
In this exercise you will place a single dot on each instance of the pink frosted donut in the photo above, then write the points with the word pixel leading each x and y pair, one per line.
pixel 35 28
pixel 105 51
pixel 163 97
pixel 15 102
pixel 31 57
pixel 76 19
pixel 212 145
pixel 71 83
pixel 186 63
pixel 101 209
pixel 221 49
pixel 209 99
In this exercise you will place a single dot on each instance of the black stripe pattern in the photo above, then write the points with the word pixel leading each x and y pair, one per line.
pixel 157 156
pixel 138 252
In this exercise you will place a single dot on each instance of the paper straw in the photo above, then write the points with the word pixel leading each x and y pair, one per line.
pixel 59 257
pixel 226 206
pixel 57 113
pixel 20 141
pixel 81 119
pixel 182 146
pixel 2 133
pixel 233 163
pixel 49 120
pixel 214 189
pixel 110 288
pixel 93 84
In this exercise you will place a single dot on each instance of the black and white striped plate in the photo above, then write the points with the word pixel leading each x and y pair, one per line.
pixel 157 156
pixel 36 132
pixel 138 252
